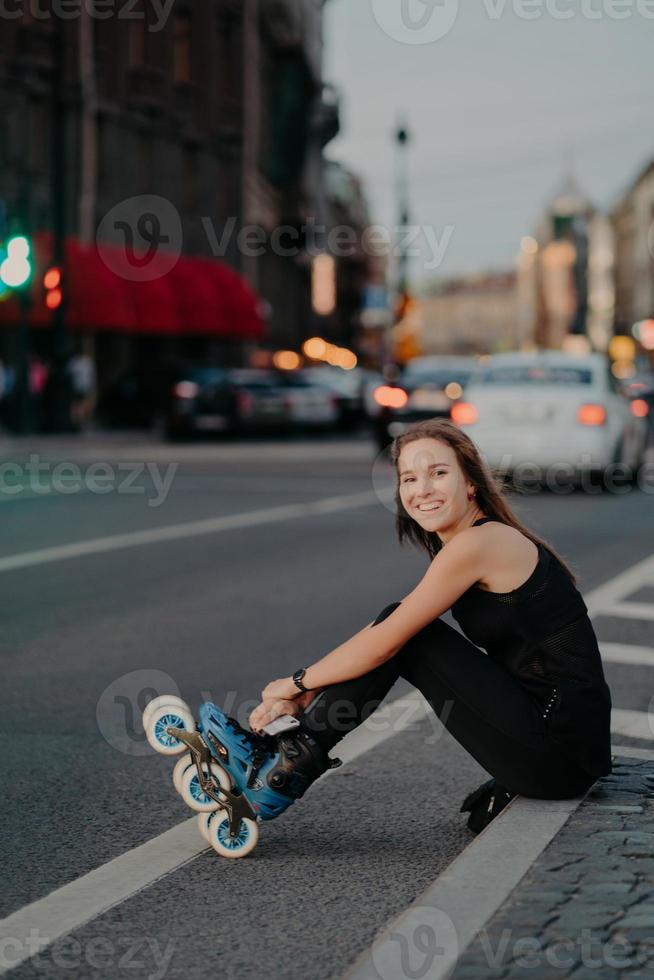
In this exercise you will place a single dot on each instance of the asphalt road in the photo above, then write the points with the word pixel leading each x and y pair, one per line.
pixel 221 613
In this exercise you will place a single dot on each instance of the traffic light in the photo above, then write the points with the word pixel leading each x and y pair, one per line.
pixel 52 286
pixel 16 268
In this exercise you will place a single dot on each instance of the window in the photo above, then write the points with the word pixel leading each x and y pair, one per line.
pixel 536 374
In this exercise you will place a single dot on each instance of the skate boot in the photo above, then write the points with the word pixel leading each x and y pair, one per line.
pixel 271 771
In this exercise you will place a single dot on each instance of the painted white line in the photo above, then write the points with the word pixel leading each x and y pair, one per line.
pixel 190 529
pixel 635 724
pixel 36 926
pixel 469 891
pixel 347 451
pixel 632 750
pixel 620 586
pixel 630 610
pixel 627 653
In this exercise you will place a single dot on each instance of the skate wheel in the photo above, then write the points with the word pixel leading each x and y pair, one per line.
pixel 231 847
pixel 167 715
pixel 163 699
pixel 178 771
pixel 203 825
pixel 193 794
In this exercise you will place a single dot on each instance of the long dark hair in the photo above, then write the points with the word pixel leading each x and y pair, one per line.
pixel 490 490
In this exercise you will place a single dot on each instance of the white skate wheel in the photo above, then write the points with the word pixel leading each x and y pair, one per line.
pixel 178 771
pixel 203 824
pixel 236 847
pixel 193 794
pixel 170 699
pixel 173 716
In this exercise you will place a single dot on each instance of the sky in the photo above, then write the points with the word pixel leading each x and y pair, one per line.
pixel 503 98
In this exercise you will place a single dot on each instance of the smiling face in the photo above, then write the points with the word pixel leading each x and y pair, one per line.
pixel 433 488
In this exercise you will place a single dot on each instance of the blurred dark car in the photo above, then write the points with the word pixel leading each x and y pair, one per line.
pixel 224 400
pixel 205 399
pixel 640 390
pixel 427 388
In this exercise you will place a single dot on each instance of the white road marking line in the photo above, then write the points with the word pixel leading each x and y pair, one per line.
pixel 635 724
pixel 350 451
pixel 632 750
pixel 471 889
pixel 630 610
pixel 627 653
pixel 71 906
pixel 190 529
pixel 620 586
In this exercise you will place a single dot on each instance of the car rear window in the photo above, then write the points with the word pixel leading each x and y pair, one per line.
pixel 440 378
pixel 526 375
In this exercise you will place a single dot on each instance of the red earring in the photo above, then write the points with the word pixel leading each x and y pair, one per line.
pixel 471 495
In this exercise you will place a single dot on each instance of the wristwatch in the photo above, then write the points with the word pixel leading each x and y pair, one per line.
pixel 297 679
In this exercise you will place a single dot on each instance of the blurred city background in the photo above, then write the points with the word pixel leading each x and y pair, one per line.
pixel 250 215
pixel 245 243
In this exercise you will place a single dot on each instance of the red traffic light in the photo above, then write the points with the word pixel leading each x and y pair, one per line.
pixel 52 286
pixel 53 299
pixel 52 278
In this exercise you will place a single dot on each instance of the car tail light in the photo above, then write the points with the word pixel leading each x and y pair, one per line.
pixel 464 413
pixel 389 397
pixel 186 389
pixel 591 414
pixel 639 408
pixel 245 401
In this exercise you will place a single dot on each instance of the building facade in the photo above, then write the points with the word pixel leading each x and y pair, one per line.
pixel 475 314
pixel 633 227
pixel 218 114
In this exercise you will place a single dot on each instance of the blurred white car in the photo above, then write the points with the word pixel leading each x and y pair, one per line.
pixel 551 409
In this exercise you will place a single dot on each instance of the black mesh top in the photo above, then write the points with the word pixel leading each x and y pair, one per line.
pixel 542 634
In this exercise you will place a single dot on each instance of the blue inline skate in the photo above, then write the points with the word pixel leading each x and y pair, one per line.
pixel 233 778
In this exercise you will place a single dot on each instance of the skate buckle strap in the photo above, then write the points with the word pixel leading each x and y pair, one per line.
pixel 258 759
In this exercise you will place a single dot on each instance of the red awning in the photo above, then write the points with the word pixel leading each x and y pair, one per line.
pixel 190 297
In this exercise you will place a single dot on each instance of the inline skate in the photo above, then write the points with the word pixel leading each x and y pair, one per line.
pixel 234 779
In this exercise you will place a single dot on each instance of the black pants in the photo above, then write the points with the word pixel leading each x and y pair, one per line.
pixel 483 706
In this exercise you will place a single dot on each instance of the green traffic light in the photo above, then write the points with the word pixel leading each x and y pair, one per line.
pixel 18 247
pixel 16 268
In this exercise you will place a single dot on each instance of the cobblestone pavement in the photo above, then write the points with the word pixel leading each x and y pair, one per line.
pixel 586 907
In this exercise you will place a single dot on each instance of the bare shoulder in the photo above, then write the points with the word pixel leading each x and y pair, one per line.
pixel 509 557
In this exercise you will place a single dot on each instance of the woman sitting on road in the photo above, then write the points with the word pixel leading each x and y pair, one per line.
pixel 534 710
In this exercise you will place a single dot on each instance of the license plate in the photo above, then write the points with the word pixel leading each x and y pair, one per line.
pixel 527 413
pixel 210 422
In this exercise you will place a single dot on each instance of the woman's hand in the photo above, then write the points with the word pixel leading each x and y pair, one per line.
pixel 267 711
pixel 285 689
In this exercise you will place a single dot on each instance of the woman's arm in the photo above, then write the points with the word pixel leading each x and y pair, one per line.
pixel 457 566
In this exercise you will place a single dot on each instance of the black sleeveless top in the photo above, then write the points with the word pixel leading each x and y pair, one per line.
pixel 541 633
